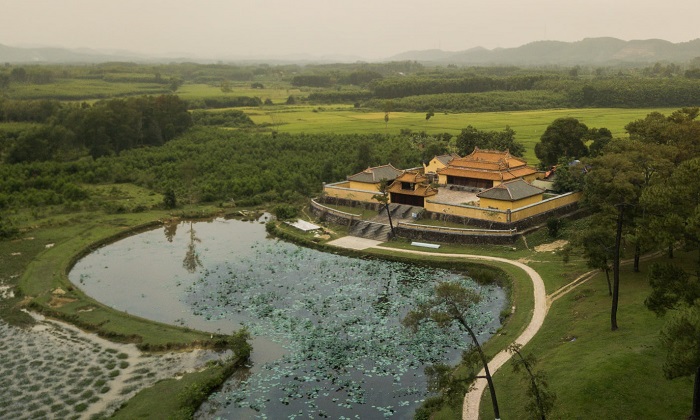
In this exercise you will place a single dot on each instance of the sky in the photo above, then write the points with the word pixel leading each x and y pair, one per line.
pixel 362 29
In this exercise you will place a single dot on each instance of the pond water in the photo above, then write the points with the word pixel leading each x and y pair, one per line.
pixel 328 339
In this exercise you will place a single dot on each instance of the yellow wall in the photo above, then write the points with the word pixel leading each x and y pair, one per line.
pixel 543 206
pixel 363 186
pixel 501 215
pixel 466 211
pixel 343 190
pixel 521 211
pixel 433 166
pixel 505 205
pixel 442 179
pixel 532 177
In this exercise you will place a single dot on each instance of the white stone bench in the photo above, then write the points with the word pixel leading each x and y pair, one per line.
pixel 425 245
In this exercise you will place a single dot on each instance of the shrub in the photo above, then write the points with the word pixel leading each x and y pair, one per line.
pixel 7 230
pixel 169 200
pixel 554 225
pixel 285 211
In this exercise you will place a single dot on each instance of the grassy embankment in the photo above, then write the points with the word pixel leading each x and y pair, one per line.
pixel 176 398
pixel 595 372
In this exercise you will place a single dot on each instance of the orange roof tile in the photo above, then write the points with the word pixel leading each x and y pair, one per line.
pixel 488 164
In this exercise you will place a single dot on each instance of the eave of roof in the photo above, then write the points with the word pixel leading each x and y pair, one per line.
pixel 376 174
pixel 511 191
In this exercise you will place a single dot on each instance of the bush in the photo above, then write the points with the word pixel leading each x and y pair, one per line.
pixel 169 200
pixel 554 225
pixel 285 212
pixel 7 230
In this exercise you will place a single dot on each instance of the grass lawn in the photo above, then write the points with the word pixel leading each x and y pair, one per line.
pixel 597 373
pixel 549 264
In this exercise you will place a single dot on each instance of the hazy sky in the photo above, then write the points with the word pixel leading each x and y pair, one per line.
pixel 370 29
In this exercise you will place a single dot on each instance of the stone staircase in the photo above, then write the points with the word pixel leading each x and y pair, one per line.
pixel 402 212
pixel 371 230
pixel 378 228
pixel 399 213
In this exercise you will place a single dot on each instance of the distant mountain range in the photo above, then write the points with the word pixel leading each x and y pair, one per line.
pixel 590 51
pixel 45 55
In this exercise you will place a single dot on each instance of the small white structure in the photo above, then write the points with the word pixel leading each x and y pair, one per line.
pixel 425 245
pixel 304 225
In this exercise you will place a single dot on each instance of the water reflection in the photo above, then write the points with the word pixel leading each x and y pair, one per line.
pixel 192 261
pixel 170 229
pixel 337 318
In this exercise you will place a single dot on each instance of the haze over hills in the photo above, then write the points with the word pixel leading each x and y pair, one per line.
pixel 591 51
pixel 597 51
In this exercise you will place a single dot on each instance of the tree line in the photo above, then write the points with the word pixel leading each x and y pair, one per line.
pixel 643 195
pixel 108 127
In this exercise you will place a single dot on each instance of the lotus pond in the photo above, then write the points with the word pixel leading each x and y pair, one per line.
pixel 329 342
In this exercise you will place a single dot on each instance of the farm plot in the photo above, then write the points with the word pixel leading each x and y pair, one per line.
pixel 57 371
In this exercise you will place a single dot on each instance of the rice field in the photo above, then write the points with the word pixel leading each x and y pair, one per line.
pixel 79 89
pixel 528 125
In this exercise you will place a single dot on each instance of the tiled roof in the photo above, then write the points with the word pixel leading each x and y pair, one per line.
pixel 412 177
pixel 489 175
pixel 488 164
pixel 445 159
pixel 468 173
pixel 376 174
pixel 417 180
pixel 511 191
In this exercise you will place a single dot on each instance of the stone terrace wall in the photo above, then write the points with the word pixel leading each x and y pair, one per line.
pixel 443 235
pixel 455 236
pixel 348 203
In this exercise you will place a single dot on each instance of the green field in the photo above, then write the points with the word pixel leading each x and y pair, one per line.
pixel 78 89
pixel 528 125
pixel 277 93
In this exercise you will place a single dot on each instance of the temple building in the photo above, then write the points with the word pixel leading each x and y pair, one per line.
pixel 411 188
pixel 485 169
